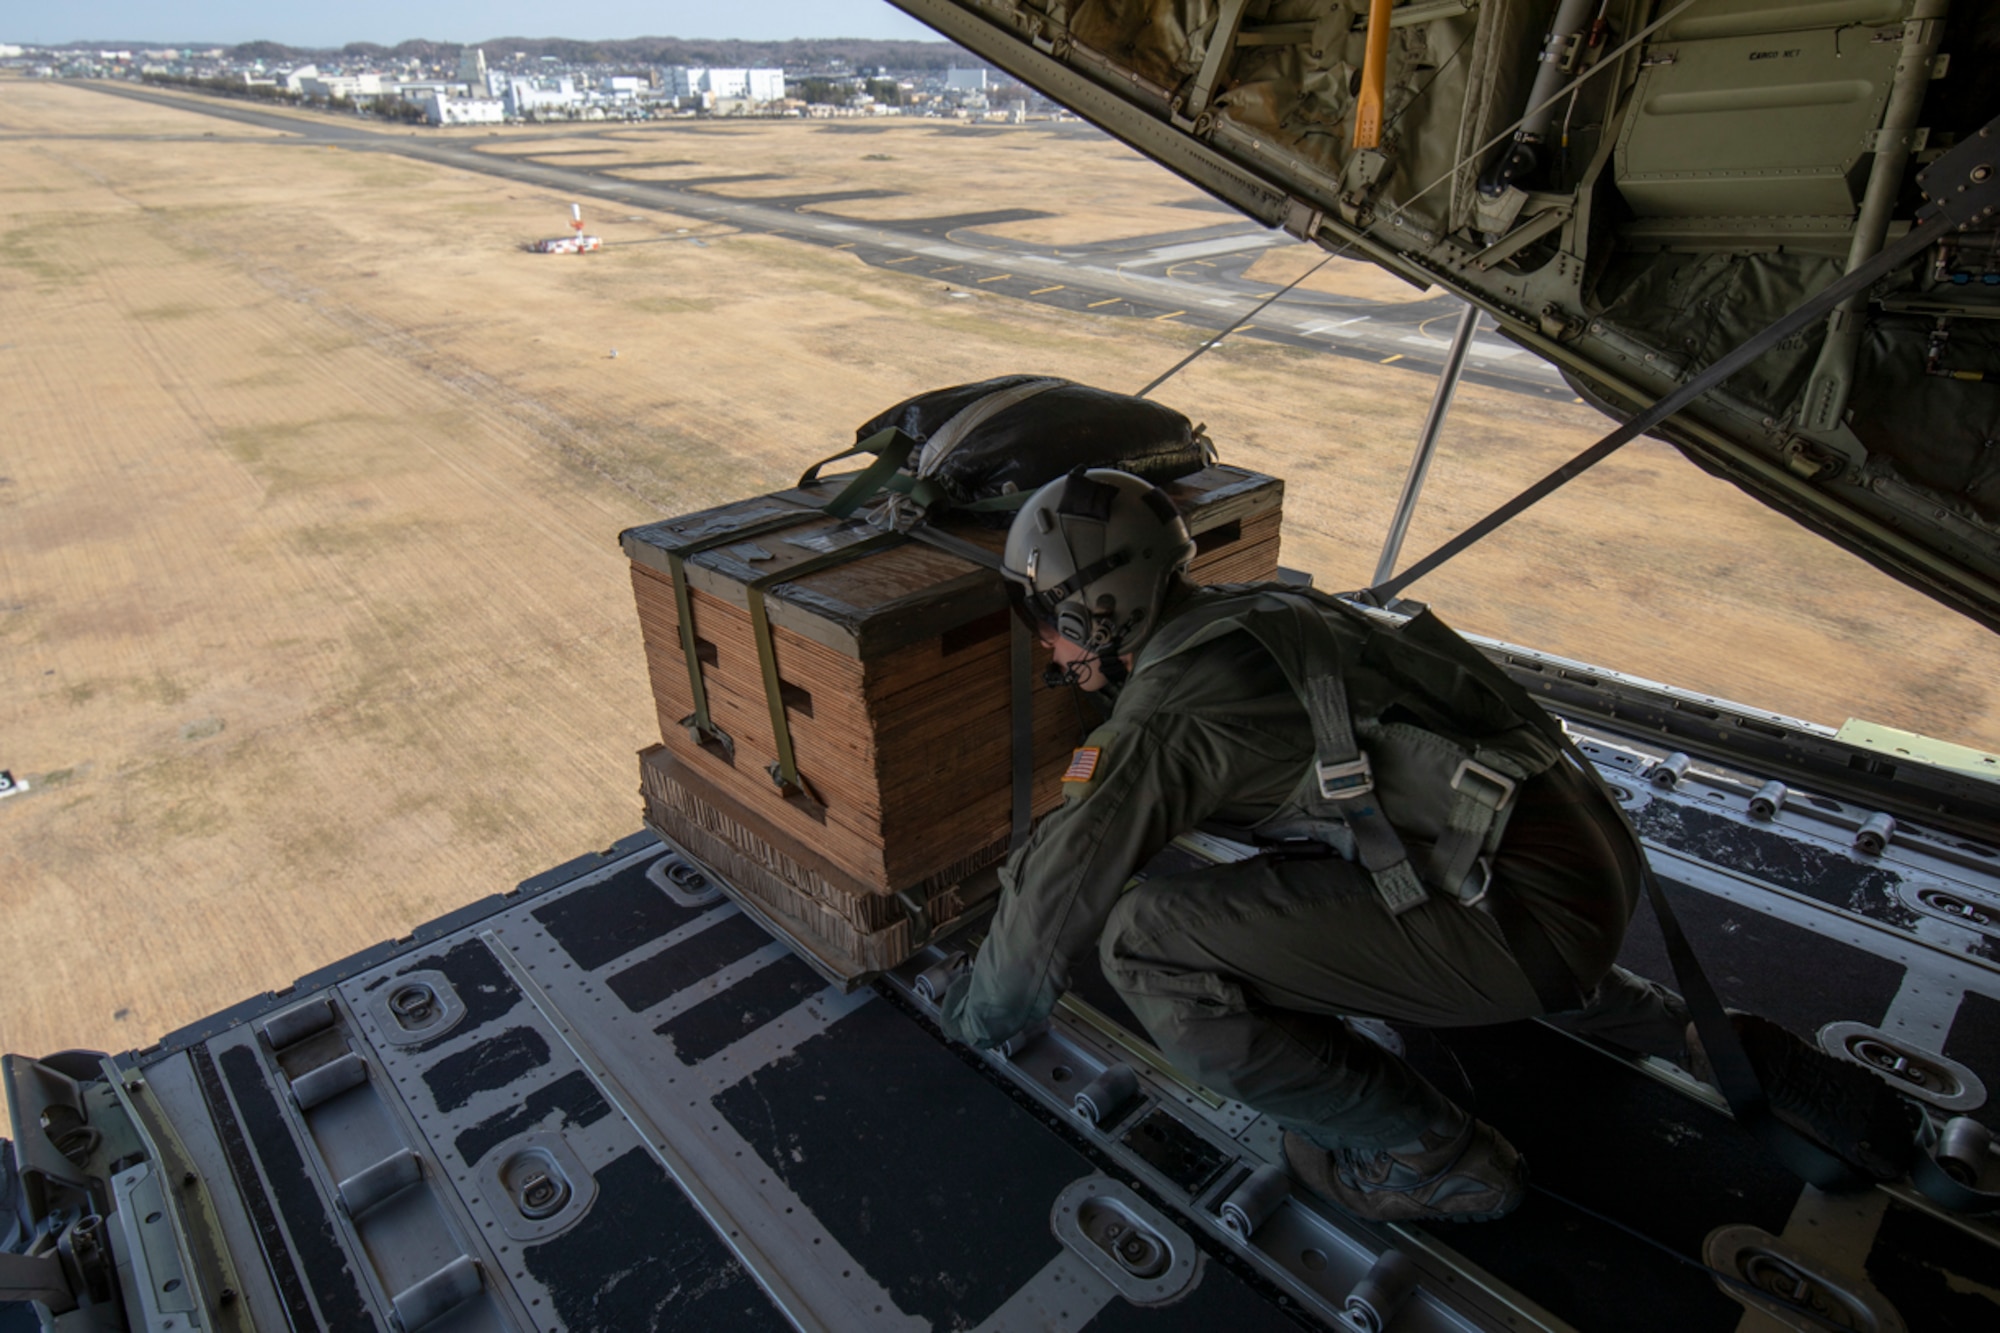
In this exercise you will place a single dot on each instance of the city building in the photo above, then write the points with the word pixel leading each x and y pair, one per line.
pixel 691 83
pixel 965 80
pixel 351 87
pixel 443 109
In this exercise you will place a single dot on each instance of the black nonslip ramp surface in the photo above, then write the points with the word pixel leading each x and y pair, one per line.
pixel 935 1180
pixel 571 1100
pixel 730 1015
pixel 644 1261
pixel 600 922
pixel 1824 874
pixel 647 982
pixel 1789 974
pixel 1923 1267
pixel 1975 1043
pixel 914 1164
pixel 487 1066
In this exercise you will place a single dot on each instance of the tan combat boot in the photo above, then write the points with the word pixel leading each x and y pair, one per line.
pixel 1474 1175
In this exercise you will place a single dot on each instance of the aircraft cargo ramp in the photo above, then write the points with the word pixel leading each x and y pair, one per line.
pixel 608 1099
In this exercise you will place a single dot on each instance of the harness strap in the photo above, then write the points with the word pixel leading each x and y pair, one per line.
pixel 1482 803
pixel 1344 789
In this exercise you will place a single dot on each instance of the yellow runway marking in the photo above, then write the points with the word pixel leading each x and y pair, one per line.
pixel 849 245
pixel 1387 359
pixel 1043 291
pixel 1113 301
pixel 997 277
pixel 948 268
pixel 1169 315
pixel 906 259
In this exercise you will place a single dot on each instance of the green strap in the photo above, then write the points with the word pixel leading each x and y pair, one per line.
pixel 785 772
pixel 1310 656
pixel 699 724
pixel 892 449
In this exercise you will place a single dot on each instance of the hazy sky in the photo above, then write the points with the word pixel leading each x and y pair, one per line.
pixel 230 21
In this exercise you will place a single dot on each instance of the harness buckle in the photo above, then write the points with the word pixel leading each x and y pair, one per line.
pixel 1344 782
pixel 1483 870
pixel 1488 780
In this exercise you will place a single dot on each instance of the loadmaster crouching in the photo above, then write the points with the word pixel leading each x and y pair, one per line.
pixel 1434 852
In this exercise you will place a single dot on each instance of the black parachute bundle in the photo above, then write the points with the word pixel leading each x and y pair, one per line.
pixel 979 449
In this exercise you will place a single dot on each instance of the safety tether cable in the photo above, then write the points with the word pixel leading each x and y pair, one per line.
pixel 1259 309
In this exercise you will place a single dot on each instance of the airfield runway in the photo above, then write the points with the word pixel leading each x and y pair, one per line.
pixel 1197 276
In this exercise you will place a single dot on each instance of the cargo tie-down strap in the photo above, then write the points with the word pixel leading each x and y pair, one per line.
pixel 1020 683
pixel 701 726
pixel 785 772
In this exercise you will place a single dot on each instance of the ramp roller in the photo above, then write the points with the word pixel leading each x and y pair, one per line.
pixel 1251 1204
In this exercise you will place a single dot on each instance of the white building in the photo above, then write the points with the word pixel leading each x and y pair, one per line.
pixel 525 98
pixel 684 82
pixel 353 87
pixel 622 85
pixel 965 80
pixel 295 80
pixel 472 66
pixel 441 109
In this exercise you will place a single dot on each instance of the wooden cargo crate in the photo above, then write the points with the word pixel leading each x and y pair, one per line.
pixel 895 671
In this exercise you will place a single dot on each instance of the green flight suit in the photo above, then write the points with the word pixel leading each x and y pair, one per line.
pixel 1240 972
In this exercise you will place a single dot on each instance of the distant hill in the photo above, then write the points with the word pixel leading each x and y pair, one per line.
pixel 813 53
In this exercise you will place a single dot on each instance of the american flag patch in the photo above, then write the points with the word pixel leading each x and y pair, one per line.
pixel 1083 764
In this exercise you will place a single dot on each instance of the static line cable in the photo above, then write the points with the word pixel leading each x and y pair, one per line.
pixel 1257 310
pixel 1791 1311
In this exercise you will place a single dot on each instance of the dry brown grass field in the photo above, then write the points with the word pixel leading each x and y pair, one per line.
pixel 312 620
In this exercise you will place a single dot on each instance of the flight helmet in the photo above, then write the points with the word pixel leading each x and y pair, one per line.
pixel 1093 555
